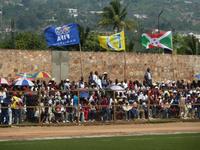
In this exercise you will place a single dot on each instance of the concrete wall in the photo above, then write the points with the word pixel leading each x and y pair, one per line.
pixel 64 64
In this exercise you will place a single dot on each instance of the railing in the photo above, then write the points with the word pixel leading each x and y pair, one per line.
pixel 42 111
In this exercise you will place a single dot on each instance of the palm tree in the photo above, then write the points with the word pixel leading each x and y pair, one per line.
pixel 115 15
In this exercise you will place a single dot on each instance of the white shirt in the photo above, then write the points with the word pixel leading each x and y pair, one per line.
pixel 149 75
pixel 99 83
pixel 125 85
pixel 95 78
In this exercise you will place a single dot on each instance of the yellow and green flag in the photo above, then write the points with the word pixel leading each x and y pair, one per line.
pixel 115 42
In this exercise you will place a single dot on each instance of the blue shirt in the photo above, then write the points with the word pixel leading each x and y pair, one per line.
pixel 75 101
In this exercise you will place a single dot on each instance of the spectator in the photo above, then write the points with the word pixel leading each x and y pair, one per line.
pixel 148 77
pixel 104 80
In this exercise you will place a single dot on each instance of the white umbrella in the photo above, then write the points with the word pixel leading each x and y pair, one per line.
pixel 24 82
pixel 116 88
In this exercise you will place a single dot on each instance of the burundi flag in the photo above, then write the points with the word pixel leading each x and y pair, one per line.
pixel 160 40
pixel 115 42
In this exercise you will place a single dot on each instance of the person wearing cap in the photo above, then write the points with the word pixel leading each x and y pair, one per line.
pixel 66 84
pixel 126 107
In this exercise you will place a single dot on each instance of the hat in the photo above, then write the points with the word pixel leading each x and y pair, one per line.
pixel 120 100
pixel 105 73
pixel 154 84
pixel 67 80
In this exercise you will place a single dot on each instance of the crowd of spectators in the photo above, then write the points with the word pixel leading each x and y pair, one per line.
pixel 94 99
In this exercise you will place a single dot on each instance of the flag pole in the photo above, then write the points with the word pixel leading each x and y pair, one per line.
pixel 124 64
pixel 124 58
pixel 80 50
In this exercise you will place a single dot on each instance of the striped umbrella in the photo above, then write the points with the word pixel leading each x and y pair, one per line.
pixel 3 81
pixel 25 75
pixel 24 82
pixel 42 74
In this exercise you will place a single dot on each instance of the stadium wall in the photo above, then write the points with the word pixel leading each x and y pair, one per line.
pixel 66 64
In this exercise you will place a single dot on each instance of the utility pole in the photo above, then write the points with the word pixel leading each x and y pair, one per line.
pixel 159 19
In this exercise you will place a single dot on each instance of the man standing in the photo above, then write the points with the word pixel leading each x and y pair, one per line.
pixel 148 77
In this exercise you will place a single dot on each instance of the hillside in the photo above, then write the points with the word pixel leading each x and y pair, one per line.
pixel 35 15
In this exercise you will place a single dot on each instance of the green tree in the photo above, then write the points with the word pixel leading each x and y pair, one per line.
pixel 189 45
pixel 7 43
pixel 92 43
pixel 28 40
pixel 177 42
pixel 84 32
pixel 115 15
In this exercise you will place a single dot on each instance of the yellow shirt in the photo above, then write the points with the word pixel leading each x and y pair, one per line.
pixel 15 102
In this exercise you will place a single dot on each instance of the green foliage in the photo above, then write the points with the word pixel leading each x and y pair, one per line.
pixel 92 42
pixel 6 44
pixel 129 45
pixel 188 45
pixel 29 40
pixel 24 40
pixel 84 32
pixel 115 15
pixel 34 15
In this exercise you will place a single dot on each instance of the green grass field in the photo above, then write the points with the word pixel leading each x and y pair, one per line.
pixel 147 142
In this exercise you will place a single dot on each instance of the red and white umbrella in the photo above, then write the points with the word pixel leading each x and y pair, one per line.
pixel 3 81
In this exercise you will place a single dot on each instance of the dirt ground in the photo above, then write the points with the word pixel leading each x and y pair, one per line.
pixel 23 133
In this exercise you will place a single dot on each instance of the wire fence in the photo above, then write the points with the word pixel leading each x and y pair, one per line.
pixel 91 106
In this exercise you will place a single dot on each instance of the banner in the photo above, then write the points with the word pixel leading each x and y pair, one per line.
pixel 114 42
pixel 62 36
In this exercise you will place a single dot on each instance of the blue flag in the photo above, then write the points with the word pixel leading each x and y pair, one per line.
pixel 63 35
